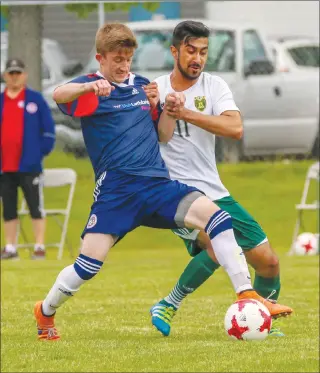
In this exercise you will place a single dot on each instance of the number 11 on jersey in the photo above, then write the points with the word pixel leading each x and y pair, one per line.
pixel 182 128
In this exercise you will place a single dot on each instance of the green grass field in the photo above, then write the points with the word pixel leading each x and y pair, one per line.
pixel 106 327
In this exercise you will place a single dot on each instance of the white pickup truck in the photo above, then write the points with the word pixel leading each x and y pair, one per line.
pixel 280 111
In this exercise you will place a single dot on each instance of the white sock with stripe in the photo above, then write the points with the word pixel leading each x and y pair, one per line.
pixel 69 281
pixel 229 254
pixel 177 295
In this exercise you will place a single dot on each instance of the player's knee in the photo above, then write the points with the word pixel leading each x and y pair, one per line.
pixel 273 262
pixel 269 258
pixel 87 267
pixel 270 267
pixel 266 265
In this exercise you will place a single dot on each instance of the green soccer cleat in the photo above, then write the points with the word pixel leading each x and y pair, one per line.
pixel 162 314
pixel 275 330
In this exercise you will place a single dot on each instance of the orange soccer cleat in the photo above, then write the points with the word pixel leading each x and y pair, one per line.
pixel 276 310
pixel 45 324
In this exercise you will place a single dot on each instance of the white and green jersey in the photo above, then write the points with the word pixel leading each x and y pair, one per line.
pixel 190 154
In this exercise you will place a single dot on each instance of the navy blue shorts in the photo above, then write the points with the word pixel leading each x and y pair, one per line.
pixel 123 202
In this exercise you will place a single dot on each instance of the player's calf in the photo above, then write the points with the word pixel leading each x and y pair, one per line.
pixel 267 270
pixel 69 281
pixel 205 215
pixel 264 260
pixel 67 284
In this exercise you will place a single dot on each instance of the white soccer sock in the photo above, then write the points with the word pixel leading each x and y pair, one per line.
pixel 67 283
pixel 231 258
pixel 38 246
pixel 10 248
pixel 227 251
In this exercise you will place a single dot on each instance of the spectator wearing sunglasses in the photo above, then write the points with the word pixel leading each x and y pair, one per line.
pixel 26 135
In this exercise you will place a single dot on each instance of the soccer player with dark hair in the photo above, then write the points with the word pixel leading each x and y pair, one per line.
pixel 210 110
pixel 132 182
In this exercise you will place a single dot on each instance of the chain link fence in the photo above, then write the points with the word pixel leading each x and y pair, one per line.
pixel 275 81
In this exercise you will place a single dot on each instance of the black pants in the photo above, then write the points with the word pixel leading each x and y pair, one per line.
pixel 31 185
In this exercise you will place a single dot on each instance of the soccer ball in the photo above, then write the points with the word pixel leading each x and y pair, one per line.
pixel 307 244
pixel 248 320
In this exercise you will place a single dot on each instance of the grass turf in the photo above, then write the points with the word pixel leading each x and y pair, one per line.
pixel 106 327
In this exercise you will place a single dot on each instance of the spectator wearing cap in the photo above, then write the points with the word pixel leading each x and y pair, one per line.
pixel 26 135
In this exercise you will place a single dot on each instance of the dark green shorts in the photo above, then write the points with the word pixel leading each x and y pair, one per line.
pixel 247 231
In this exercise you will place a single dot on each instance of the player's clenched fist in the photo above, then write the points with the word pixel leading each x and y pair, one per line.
pixel 174 104
pixel 100 87
pixel 152 93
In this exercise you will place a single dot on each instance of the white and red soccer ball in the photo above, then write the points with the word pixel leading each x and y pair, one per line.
pixel 248 320
pixel 307 244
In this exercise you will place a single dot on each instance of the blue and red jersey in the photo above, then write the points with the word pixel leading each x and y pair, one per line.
pixel 27 131
pixel 118 130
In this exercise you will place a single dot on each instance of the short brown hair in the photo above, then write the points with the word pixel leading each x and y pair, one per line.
pixel 113 36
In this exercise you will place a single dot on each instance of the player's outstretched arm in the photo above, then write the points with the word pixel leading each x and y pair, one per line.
pixel 174 103
pixel 71 91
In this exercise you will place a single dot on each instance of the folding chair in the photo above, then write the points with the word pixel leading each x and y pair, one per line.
pixel 312 174
pixel 53 178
